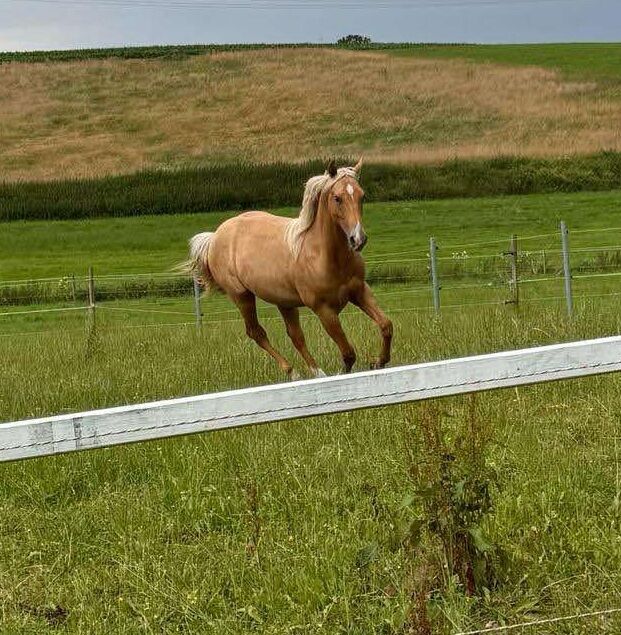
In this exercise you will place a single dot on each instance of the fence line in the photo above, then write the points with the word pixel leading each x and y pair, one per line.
pixel 597 275
pixel 138 310
pixel 295 400
pixel 511 258
pixel 372 261
pixel 597 230
pixel 265 317
pixel 303 316
pixel 73 308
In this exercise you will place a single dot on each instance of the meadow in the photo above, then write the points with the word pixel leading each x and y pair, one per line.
pixel 600 61
pixel 318 525
pixel 94 117
pixel 577 60
pixel 437 518
pixel 148 244
pixel 302 527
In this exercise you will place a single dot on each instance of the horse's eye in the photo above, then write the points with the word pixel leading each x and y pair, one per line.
pixel 338 199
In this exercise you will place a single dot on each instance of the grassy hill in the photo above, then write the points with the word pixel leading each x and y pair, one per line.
pixel 177 108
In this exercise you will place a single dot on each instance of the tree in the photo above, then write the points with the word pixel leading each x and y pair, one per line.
pixel 354 41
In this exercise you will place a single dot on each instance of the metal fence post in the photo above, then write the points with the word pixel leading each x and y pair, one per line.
pixel 197 304
pixel 433 248
pixel 567 268
pixel 91 302
pixel 514 283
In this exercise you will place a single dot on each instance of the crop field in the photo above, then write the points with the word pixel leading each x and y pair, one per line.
pixel 317 525
pixel 97 117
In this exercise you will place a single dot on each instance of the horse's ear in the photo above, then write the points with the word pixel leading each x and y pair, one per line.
pixel 331 170
pixel 358 166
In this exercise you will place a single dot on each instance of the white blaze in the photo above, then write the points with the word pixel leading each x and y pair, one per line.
pixel 350 190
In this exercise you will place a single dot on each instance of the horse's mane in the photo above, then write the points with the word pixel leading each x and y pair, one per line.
pixel 315 187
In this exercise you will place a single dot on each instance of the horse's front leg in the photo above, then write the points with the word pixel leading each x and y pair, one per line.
pixel 331 323
pixel 365 299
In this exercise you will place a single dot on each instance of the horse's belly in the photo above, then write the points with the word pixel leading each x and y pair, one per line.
pixel 273 291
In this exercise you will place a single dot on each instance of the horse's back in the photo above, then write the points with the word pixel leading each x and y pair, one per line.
pixel 253 231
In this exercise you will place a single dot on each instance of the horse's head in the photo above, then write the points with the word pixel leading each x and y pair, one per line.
pixel 344 203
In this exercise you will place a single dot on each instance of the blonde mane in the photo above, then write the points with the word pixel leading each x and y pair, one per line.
pixel 315 187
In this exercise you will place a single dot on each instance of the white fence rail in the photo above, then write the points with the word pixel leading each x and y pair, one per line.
pixel 263 404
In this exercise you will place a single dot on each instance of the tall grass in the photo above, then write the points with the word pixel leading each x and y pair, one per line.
pixel 240 186
pixel 301 527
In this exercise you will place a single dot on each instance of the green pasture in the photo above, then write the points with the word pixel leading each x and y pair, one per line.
pixel 319 525
pixel 155 244
pixel 301 527
pixel 595 61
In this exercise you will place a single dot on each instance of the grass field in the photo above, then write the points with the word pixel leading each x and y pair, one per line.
pixel 595 61
pixel 148 244
pixel 306 526
pixel 96 117
pixel 325 525
pixel 301 527
pixel 574 60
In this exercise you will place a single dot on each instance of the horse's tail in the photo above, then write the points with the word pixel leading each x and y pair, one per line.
pixel 197 264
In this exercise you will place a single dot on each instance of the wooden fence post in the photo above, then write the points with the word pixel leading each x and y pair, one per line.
pixel 435 284
pixel 567 268
pixel 197 304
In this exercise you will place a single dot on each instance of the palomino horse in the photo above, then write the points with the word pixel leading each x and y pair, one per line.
pixel 313 260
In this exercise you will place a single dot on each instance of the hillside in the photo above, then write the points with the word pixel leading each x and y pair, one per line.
pixel 94 117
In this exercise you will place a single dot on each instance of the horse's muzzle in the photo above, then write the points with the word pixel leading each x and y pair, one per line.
pixel 357 239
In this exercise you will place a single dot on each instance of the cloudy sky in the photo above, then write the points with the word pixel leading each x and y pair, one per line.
pixel 48 24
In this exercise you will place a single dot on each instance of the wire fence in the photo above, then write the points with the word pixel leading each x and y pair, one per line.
pixel 395 280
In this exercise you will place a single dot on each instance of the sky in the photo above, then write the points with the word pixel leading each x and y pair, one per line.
pixel 64 24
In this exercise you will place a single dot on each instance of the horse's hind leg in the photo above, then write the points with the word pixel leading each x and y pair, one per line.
pixel 247 305
pixel 294 331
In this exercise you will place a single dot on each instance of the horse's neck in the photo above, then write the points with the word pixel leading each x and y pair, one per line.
pixel 328 240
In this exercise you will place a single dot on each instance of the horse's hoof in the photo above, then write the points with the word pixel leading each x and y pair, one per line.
pixel 376 366
pixel 293 375
pixel 317 373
